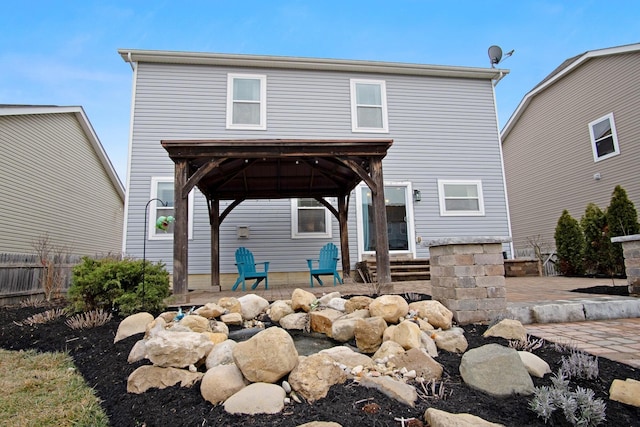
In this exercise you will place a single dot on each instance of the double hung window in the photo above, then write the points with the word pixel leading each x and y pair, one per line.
pixel 247 101
pixel 460 198
pixel 163 189
pixel 310 219
pixel 369 106
pixel 604 140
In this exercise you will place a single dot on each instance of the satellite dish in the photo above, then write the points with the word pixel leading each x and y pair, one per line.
pixel 495 55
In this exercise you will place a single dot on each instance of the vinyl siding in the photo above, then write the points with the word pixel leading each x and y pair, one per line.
pixel 548 157
pixel 442 128
pixel 53 182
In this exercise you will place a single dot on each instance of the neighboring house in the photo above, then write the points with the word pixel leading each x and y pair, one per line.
pixel 443 171
pixel 572 139
pixel 57 181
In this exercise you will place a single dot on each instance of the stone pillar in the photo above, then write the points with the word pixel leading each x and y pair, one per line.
pixel 467 276
pixel 631 252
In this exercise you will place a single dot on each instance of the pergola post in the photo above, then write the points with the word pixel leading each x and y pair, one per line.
pixel 380 221
pixel 214 222
pixel 343 211
pixel 180 234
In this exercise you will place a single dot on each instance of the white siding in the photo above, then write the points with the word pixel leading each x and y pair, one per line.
pixel 441 127
pixel 53 182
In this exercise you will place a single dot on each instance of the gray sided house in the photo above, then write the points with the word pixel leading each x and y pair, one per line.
pixel 572 139
pixel 443 172
pixel 57 181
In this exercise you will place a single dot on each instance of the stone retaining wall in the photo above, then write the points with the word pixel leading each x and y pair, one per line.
pixel 522 267
pixel 631 252
pixel 467 276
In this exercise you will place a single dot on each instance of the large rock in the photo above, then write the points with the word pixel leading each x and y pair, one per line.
pixel 221 382
pixel 279 309
pixel 343 328
pixel 337 304
pixel 320 424
pixel 232 318
pixel 359 302
pixel 314 375
pixel 627 392
pixel 434 312
pixel 252 306
pixel 196 323
pixel 534 365
pixel 428 344
pixel 407 334
pixel 397 390
pixel 177 349
pixel 138 351
pixel 221 354
pixel 451 340
pixel 295 321
pixel 325 299
pixel 210 310
pixel 302 300
pixel 508 329
pixel 257 398
pixel 267 356
pixel 421 362
pixel 147 376
pixel 158 324
pixel 132 325
pixel 347 357
pixel 388 349
pixel 437 418
pixel 230 305
pixel 368 333
pixel 496 370
pixel 391 308
pixel 322 320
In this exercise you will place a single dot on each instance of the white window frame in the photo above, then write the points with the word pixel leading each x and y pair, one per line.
pixel 442 197
pixel 152 232
pixel 383 107
pixel 295 234
pixel 614 136
pixel 263 102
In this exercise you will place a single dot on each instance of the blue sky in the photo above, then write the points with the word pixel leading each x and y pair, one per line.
pixel 65 52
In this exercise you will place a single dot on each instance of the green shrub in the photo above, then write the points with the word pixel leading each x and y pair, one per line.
pixel 598 246
pixel 622 220
pixel 113 284
pixel 569 245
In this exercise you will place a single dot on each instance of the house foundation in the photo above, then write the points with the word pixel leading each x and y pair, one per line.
pixel 467 277
pixel 631 252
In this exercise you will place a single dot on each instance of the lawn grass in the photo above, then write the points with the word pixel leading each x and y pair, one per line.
pixel 44 389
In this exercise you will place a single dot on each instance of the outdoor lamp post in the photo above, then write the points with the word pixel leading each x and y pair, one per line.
pixel 162 223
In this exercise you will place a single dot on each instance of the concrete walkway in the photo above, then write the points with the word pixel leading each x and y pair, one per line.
pixel 605 326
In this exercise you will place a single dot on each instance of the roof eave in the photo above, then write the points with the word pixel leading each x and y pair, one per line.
pixel 285 62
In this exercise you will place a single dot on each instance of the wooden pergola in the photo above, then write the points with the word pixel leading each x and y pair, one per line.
pixel 238 170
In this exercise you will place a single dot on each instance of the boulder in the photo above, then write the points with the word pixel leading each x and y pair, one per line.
pixel 219 327
pixel 508 329
pixel 302 300
pixel 314 375
pixel 297 321
pixel 437 418
pixel 347 357
pixel 368 333
pixel 138 351
pixel 496 370
pixel 337 304
pixel 322 320
pixel 343 328
pixel 177 349
pixel 388 349
pixel 359 302
pixel 221 354
pixel 221 382
pixel 158 324
pixel 627 392
pixel 216 337
pixel 407 334
pixel 395 389
pixel 279 309
pixel 230 305
pixel 267 356
pixel 320 424
pixel 147 376
pixel 391 308
pixel 326 298
pixel 210 310
pixel 252 306
pixel 534 365
pixel 419 361
pixel 232 318
pixel 433 312
pixel 257 398
pixel 428 344
pixel 196 323
pixel 451 340
pixel 132 325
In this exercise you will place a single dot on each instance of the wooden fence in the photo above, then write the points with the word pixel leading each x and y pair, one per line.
pixel 23 276
pixel 549 260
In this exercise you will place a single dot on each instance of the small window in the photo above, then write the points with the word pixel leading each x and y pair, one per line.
pixel 310 219
pixel 369 106
pixel 162 188
pixel 460 198
pixel 246 101
pixel 604 140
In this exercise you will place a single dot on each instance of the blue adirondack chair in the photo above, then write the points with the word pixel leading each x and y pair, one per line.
pixel 247 269
pixel 326 265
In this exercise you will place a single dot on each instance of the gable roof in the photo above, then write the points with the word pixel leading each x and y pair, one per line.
pixel 562 70
pixel 18 110
pixel 133 56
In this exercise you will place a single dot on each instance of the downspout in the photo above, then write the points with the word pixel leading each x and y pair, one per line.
pixel 495 82
pixel 131 63
pixel 129 157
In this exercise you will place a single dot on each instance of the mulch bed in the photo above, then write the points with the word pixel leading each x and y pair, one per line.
pixel 605 290
pixel 104 367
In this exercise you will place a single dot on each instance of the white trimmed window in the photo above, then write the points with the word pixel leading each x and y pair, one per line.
pixel 247 101
pixel 604 140
pixel 162 188
pixel 460 198
pixel 309 219
pixel 369 106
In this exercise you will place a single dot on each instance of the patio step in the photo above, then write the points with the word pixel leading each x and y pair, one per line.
pixel 402 269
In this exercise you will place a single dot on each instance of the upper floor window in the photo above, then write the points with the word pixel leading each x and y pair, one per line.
pixel 163 189
pixel 246 101
pixel 310 219
pixel 369 106
pixel 604 140
pixel 460 198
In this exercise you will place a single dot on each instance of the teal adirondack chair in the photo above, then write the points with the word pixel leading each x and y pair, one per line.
pixel 326 265
pixel 247 269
